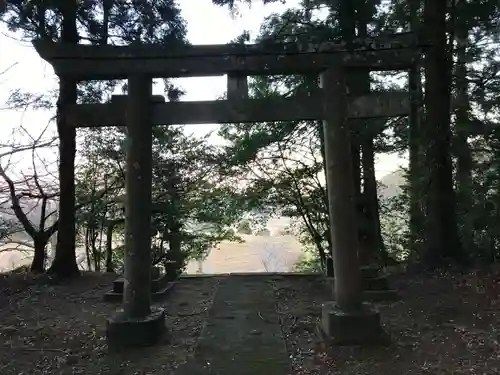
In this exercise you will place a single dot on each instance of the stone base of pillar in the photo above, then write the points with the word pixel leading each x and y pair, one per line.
pixel 122 332
pixel 362 327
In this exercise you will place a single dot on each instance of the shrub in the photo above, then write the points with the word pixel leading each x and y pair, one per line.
pixel 263 232
pixel 244 227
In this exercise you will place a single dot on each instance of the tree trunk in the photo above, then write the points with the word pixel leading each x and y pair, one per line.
pixel 38 263
pixel 356 160
pixel 96 252
pixel 109 246
pixel 100 235
pixel 175 257
pixel 370 201
pixel 372 243
pixel 463 149
pixel 87 249
pixel 416 172
pixel 443 243
pixel 97 255
pixel 325 266
pixel 64 264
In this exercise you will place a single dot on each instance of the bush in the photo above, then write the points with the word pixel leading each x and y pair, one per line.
pixel 244 227
pixel 308 262
pixel 263 232
pixel 284 232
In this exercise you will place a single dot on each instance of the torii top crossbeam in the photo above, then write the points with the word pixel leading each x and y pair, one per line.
pixel 93 62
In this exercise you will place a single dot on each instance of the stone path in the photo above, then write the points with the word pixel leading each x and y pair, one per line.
pixel 242 335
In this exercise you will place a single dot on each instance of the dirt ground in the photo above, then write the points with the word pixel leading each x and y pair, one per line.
pixel 60 329
pixel 445 324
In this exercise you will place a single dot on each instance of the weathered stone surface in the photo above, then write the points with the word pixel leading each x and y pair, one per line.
pixel 122 99
pixel 341 194
pixel 360 327
pixel 163 287
pixel 156 284
pixel 137 257
pixel 122 332
pixel 237 86
pixel 242 335
pixel 293 108
pixel 51 50
pixel 391 52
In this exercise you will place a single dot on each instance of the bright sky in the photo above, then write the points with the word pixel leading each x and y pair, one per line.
pixel 207 24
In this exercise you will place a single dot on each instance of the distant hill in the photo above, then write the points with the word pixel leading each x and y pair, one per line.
pixel 392 184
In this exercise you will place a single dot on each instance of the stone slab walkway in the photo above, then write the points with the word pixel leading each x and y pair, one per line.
pixel 242 335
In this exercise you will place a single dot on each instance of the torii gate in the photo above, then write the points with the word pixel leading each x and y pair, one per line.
pixel 348 319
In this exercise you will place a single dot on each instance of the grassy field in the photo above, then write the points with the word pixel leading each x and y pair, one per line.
pixel 256 254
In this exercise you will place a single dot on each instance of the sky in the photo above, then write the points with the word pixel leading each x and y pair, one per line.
pixel 207 24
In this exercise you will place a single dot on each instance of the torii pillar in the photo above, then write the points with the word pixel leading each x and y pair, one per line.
pixel 137 323
pixel 347 320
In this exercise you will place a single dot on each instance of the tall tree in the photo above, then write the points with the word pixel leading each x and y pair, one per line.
pixel 415 142
pixel 463 124
pixel 31 199
pixel 64 263
pixel 151 21
pixel 443 242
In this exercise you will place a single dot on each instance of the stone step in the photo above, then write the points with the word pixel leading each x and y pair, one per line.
pixel 369 272
pixel 162 292
pixel 119 283
pixel 377 283
pixel 156 284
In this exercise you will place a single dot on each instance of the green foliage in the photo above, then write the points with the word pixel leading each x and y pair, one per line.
pixel 154 21
pixel 283 163
pixel 394 220
pixel 289 184
pixel 274 168
pixel 191 199
pixel 204 205
pixel 263 232
pixel 244 227
pixel 308 262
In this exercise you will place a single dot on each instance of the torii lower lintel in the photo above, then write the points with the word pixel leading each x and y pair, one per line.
pixel 295 108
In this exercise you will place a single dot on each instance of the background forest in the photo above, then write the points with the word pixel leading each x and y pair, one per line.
pixel 446 211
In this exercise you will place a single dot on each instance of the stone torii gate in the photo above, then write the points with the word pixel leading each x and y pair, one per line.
pixel 347 320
